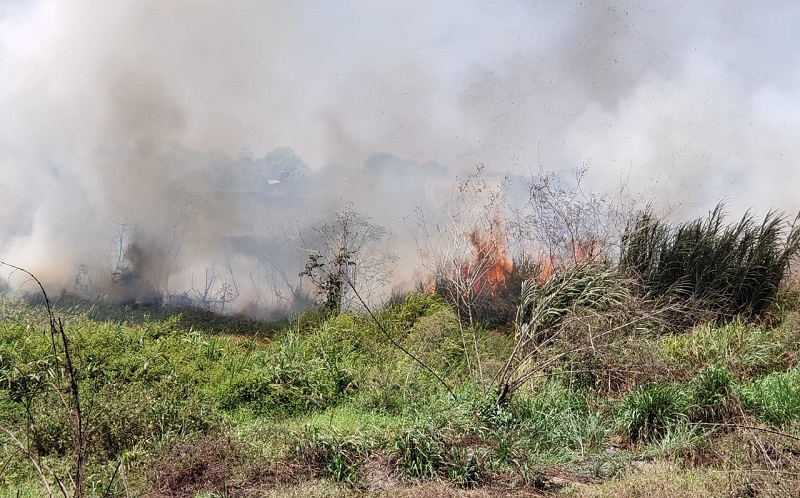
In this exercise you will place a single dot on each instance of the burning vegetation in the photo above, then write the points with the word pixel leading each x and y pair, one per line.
pixel 492 266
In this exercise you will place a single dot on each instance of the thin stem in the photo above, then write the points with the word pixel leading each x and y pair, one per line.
pixel 394 342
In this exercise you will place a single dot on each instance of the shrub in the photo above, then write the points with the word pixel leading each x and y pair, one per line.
pixel 725 269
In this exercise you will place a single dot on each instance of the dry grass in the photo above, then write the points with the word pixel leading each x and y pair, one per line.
pixel 191 467
pixel 322 488
pixel 663 480
pixel 316 488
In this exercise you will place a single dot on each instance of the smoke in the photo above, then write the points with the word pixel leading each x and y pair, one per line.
pixel 173 143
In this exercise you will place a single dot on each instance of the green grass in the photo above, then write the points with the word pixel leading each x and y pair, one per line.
pixel 742 347
pixel 21 489
pixel 652 411
pixel 322 399
pixel 775 398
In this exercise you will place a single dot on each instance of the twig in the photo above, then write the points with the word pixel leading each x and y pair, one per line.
pixel 110 481
pixel 32 458
pixel 394 342
pixel 749 427
pixel 57 329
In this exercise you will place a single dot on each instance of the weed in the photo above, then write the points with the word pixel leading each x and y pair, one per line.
pixel 775 398
pixel 651 411
pixel 711 393
pixel 663 480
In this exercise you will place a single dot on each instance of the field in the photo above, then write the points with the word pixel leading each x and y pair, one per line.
pixel 672 371
pixel 193 404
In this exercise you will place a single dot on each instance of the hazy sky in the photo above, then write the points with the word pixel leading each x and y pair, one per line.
pixel 692 102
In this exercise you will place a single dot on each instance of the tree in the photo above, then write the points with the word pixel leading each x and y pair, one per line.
pixel 338 260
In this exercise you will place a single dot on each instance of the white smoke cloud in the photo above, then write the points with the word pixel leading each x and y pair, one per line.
pixel 126 119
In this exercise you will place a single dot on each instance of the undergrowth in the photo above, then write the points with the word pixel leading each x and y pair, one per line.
pixel 330 398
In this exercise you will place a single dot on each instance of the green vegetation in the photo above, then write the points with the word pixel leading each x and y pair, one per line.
pixel 594 390
pixel 724 270
pixel 185 412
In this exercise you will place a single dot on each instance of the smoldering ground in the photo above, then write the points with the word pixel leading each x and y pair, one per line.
pixel 185 145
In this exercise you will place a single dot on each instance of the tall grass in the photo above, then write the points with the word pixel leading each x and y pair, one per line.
pixel 579 304
pixel 724 269
pixel 652 411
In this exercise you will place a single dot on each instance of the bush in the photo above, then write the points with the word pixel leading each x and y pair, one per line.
pixel 727 270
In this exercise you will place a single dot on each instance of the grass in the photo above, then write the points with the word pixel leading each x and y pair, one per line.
pixel 652 411
pixel 664 480
pixel 724 269
pixel 325 406
pixel 775 398
pixel 745 348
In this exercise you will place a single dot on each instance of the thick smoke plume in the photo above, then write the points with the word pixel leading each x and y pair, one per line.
pixel 151 147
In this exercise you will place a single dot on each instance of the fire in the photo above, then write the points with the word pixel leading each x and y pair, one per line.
pixel 582 251
pixel 491 267
pixel 547 266
pixel 587 250
pixel 492 264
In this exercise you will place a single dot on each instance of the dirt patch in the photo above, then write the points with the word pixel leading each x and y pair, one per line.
pixel 186 468
pixel 218 466
pixel 380 475
pixel 283 475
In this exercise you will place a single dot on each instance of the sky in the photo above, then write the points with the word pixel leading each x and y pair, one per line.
pixel 116 114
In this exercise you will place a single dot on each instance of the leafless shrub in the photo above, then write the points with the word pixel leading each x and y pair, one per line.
pixel 338 259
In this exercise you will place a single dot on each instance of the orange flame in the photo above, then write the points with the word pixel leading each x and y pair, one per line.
pixel 492 263
pixel 587 249
pixel 584 250
pixel 547 266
